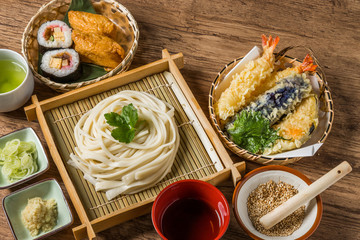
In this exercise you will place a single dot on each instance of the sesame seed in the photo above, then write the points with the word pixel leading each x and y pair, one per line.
pixel 267 197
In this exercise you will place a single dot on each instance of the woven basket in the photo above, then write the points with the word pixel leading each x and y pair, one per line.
pixel 128 37
pixel 326 105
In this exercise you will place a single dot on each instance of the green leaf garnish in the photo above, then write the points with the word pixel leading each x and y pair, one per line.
pixel 51 38
pixel 123 134
pixel 252 131
pixel 79 5
pixel 114 119
pixel 130 115
pixel 90 71
pixel 124 123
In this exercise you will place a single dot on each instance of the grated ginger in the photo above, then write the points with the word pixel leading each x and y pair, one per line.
pixel 39 215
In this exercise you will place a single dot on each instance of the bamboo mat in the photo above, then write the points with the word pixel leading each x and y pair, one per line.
pixel 192 160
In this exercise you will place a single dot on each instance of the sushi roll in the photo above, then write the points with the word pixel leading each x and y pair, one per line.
pixel 61 65
pixel 54 35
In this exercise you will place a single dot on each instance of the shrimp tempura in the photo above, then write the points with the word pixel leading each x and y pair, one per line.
pixel 306 66
pixel 245 83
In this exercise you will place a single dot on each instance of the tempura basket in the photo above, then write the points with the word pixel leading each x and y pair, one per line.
pixel 326 105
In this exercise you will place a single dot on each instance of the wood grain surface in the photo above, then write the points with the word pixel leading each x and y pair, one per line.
pixel 211 34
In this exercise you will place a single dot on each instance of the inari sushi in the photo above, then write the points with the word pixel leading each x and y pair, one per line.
pixel 54 35
pixel 61 65
pixel 92 23
pixel 98 49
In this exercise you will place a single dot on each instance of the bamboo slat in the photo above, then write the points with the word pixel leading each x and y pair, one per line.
pixel 206 125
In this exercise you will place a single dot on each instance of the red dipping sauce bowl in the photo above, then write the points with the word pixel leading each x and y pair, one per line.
pixel 190 209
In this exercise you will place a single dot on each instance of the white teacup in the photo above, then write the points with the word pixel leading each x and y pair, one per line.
pixel 17 97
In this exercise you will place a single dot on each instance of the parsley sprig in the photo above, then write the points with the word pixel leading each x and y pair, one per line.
pixel 124 123
pixel 252 131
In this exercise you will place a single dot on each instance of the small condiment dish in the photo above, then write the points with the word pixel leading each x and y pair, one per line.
pixel 313 209
pixel 16 202
pixel 199 210
pixel 25 134
pixel 17 97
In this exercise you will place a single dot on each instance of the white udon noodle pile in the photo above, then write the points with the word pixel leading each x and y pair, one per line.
pixel 120 168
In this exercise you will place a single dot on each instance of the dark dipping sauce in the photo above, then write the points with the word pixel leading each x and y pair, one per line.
pixel 188 219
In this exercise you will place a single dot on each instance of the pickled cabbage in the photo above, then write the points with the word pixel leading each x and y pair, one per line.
pixel 18 159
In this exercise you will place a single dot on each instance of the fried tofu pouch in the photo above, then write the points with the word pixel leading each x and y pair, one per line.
pixel 92 23
pixel 98 49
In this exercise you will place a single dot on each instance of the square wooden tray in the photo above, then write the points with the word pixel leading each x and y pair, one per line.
pixel 201 154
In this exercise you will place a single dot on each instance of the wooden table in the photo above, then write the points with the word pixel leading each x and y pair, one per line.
pixel 211 34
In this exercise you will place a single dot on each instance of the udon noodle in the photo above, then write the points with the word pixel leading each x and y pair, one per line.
pixel 120 168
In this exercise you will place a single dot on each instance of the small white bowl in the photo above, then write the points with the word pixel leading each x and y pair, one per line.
pixel 14 99
pixel 313 209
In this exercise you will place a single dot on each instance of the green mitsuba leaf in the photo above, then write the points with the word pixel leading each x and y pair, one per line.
pixel 114 119
pixel 125 123
pixel 123 134
pixel 252 131
pixel 130 115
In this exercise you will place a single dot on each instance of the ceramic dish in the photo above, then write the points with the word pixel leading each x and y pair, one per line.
pixel 128 37
pixel 25 134
pixel 326 116
pixel 313 209
pixel 15 203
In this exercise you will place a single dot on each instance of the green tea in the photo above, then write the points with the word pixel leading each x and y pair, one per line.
pixel 12 74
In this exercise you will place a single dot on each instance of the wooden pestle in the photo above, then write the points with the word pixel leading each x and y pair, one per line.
pixel 311 191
